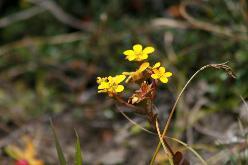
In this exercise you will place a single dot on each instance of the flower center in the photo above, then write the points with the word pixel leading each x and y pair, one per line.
pixel 138 55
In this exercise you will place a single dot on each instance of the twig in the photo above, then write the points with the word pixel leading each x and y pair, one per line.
pixel 168 44
pixel 208 132
pixel 59 39
pixel 61 15
pixel 244 9
pixel 196 24
pixel 161 22
pixel 243 100
pixel 22 15
pixel 208 26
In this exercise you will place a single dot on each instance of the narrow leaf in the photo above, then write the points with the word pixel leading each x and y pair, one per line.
pixel 78 156
pixel 60 154
pixel 189 148
pixel 169 155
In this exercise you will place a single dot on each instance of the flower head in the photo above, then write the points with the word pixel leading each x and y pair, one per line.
pixel 25 156
pixel 138 74
pixel 138 53
pixel 159 73
pixel 110 84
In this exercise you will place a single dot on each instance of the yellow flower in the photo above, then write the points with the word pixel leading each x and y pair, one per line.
pixel 99 79
pixel 110 84
pixel 159 73
pixel 27 155
pixel 138 74
pixel 138 53
pixel 156 65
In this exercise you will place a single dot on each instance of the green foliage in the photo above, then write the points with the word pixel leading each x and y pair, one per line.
pixel 60 153
pixel 78 155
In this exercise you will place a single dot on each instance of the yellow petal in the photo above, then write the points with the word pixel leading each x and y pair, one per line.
pixel 29 151
pixel 155 71
pixel 102 91
pixel 103 85
pixel 154 76
pixel 35 162
pixel 143 56
pixel 98 79
pixel 119 78
pixel 163 79
pixel 137 48
pixel 128 52
pixel 148 50
pixel 161 69
pixel 131 57
pixel 168 74
pixel 156 65
pixel 136 76
pixel 143 66
pixel 110 78
pixel 127 73
pixel 119 88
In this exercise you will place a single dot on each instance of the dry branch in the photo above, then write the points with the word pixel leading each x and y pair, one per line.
pixel 61 15
pixel 20 16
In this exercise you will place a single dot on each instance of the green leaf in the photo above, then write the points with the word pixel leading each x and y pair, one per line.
pixel 78 156
pixel 60 154
pixel 10 151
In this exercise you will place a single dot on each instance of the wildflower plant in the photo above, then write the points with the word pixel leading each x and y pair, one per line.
pixel 147 77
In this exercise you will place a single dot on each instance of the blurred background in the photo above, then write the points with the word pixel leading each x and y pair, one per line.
pixel 51 52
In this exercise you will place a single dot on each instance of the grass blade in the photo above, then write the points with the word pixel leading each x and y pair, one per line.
pixel 189 148
pixel 222 66
pixel 78 156
pixel 60 154
pixel 162 142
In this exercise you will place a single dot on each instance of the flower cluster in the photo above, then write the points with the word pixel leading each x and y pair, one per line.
pixel 111 84
pixel 25 156
pixel 145 73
